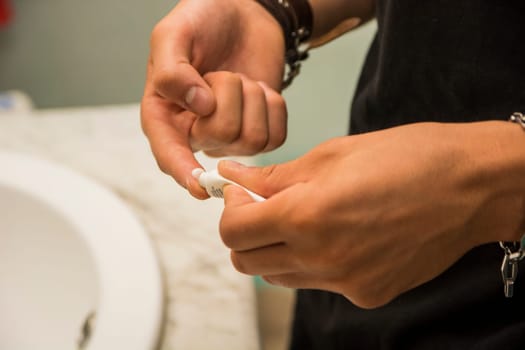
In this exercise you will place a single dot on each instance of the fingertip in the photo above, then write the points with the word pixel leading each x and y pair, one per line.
pixel 196 173
pixel 200 100
pixel 195 189
pixel 268 280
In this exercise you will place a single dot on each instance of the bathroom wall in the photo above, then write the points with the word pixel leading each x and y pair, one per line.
pixel 76 53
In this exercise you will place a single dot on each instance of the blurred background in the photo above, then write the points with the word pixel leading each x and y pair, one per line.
pixel 72 52
pixel 67 53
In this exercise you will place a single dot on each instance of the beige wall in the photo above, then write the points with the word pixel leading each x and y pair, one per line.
pixel 74 52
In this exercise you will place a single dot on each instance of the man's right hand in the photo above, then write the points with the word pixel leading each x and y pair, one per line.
pixel 213 81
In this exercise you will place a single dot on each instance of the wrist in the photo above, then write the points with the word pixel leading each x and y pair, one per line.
pixel 497 157
pixel 296 20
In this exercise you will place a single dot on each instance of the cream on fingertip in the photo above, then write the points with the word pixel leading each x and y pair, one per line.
pixel 197 172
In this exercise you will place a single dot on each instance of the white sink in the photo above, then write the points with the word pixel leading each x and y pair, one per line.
pixel 77 269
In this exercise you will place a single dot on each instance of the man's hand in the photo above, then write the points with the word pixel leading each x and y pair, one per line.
pixel 237 110
pixel 374 215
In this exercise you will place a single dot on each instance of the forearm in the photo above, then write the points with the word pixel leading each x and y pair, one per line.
pixel 329 13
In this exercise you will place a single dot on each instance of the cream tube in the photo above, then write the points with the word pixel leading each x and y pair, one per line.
pixel 214 183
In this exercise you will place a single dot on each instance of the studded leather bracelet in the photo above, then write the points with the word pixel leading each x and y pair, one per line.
pixel 296 20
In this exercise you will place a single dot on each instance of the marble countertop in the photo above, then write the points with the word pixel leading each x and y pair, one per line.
pixel 208 304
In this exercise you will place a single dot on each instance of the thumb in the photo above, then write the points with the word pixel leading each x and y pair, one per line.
pixel 173 75
pixel 182 84
pixel 235 196
pixel 265 181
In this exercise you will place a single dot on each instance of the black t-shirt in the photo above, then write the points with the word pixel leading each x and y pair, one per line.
pixel 445 61
pixel 442 60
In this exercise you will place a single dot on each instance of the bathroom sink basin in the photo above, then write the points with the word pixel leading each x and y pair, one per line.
pixel 77 269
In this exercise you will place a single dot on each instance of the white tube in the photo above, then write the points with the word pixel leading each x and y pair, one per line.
pixel 213 183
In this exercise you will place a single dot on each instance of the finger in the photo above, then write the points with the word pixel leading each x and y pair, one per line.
pixel 223 126
pixel 235 196
pixel 299 280
pixel 253 136
pixel 269 260
pixel 253 229
pixel 266 180
pixel 277 118
pixel 263 124
pixel 173 155
pixel 166 127
pixel 174 77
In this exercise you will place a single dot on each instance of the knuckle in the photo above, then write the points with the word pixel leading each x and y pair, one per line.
pixel 277 104
pixel 272 175
pixel 278 281
pixel 161 158
pixel 277 101
pixel 232 78
pixel 144 119
pixel 223 78
pixel 255 141
pixel 278 124
pixel 237 263
pixel 227 133
pixel 253 89
pixel 367 300
pixel 333 259
pixel 163 79
pixel 156 33
pixel 226 234
pixel 306 219
pixel 366 292
pixel 210 134
pixel 338 255
pixel 269 171
pixel 277 139
pixel 161 165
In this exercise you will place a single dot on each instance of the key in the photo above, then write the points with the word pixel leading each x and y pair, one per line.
pixel 514 253
pixel 509 271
